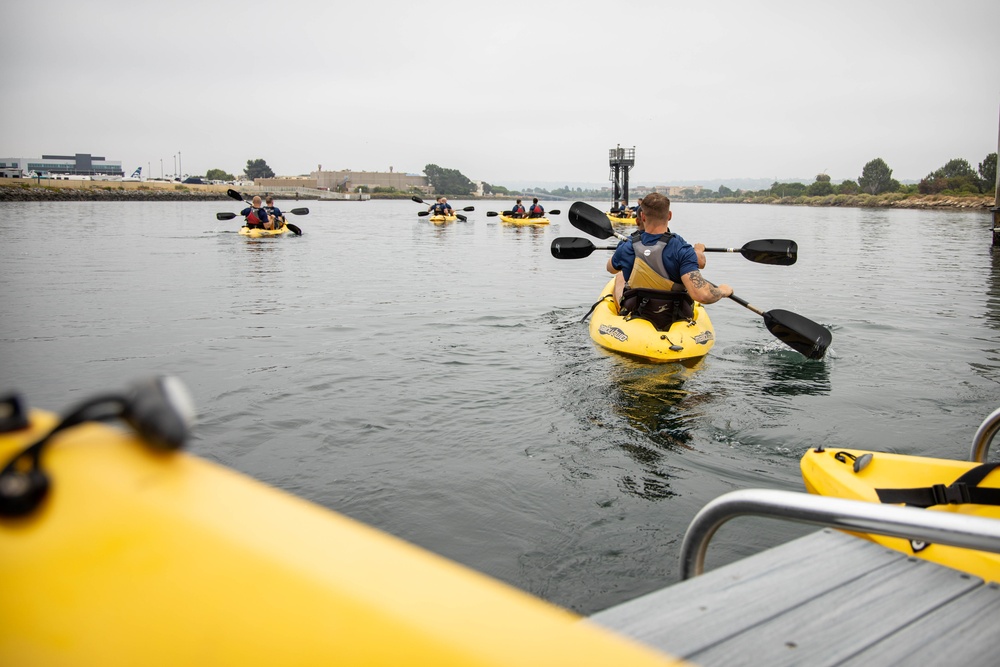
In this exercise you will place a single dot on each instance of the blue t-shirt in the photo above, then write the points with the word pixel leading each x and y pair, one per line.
pixel 273 210
pixel 679 257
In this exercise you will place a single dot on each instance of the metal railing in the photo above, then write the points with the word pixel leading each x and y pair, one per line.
pixel 984 436
pixel 855 515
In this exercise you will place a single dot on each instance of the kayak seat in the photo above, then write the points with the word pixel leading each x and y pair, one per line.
pixel 660 308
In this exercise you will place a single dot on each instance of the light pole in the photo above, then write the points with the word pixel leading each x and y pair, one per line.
pixel 161 167
pixel 175 165
pixel 179 164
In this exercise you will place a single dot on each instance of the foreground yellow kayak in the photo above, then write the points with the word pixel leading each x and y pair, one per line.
pixel 140 556
pixel 895 478
pixel 687 339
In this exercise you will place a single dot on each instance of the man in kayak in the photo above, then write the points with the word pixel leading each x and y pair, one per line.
pixel 441 207
pixel 273 211
pixel 257 216
pixel 536 210
pixel 618 211
pixel 517 211
pixel 657 260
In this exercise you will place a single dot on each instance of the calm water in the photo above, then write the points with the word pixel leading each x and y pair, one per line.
pixel 436 382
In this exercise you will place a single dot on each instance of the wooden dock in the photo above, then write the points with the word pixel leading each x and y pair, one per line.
pixel 828 598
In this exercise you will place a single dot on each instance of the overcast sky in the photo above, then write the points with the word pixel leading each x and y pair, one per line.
pixel 508 92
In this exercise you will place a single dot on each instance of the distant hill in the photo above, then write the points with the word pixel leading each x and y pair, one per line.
pixel 710 183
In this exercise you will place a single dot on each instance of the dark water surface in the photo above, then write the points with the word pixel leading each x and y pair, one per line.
pixel 436 381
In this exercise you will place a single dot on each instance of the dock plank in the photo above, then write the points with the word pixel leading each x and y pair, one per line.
pixel 823 599
pixel 692 615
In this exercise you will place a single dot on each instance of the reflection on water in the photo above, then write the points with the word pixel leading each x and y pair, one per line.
pixel 657 411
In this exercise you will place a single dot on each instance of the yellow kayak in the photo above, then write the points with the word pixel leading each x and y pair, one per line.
pixel 442 219
pixel 523 221
pixel 257 232
pixel 139 556
pixel 896 478
pixel 688 339
pixel 615 220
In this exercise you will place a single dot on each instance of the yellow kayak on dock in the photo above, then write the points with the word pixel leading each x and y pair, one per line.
pixel 139 556
pixel 916 481
pixel 636 337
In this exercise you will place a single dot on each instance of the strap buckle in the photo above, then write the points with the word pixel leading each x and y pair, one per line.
pixel 955 494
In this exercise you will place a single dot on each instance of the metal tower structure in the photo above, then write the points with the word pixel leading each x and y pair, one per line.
pixel 621 160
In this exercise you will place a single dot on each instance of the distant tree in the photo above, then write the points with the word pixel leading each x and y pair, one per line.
pixel 448 181
pixel 258 169
pixel 847 188
pixel 820 188
pixel 219 175
pixel 876 177
pixel 822 178
pixel 725 192
pixel 787 189
pixel 957 176
pixel 988 174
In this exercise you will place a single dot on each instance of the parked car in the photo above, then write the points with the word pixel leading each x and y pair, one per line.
pixel 194 180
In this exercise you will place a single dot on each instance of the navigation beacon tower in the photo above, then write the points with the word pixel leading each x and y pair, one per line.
pixel 622 160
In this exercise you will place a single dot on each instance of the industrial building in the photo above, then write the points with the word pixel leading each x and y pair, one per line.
pixel 80 164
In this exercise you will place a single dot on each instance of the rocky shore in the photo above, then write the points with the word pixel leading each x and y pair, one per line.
pixel 24 192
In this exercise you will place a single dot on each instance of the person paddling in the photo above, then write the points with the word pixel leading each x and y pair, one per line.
pixel 657 260
pixel 517 211
pixel 536 210
pixel 256 216
pixel 277 218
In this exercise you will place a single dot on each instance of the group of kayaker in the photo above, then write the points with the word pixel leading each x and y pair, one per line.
pixel 441 207
pixel 262 217
pixel 534 211
pixel 654 259
pixel 623 211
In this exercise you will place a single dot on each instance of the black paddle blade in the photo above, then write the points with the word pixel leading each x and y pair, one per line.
pixel 588 219
pixel 572 247
pixel 461 217
pixel 417 199
pixel 300 211
pixel 799 333
pixel 225 216
pixel 469 208
pixel 234 194
pixel 424 213
pixel 491 214
pixel 555 212
pixel 779 252
pixel 295 230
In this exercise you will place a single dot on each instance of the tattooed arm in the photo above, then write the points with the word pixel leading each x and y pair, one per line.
pixel 703 291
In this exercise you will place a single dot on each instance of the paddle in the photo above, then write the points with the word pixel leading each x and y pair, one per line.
pixel 780 252
pixel 297 211
pixel 467 208
pixel 230 216
pixel 493 214
pixel 797 332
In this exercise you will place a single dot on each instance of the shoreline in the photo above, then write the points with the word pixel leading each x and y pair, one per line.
pixel 157 191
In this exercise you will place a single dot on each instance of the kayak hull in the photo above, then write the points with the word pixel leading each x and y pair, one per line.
pixel 638 338
pixel 523 222
pixel 442 219
pixel 258 233
pixel 137 556
pixel 615 220
pixel 823 474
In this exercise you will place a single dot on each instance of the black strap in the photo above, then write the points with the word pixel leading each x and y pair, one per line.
pixel 965 489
